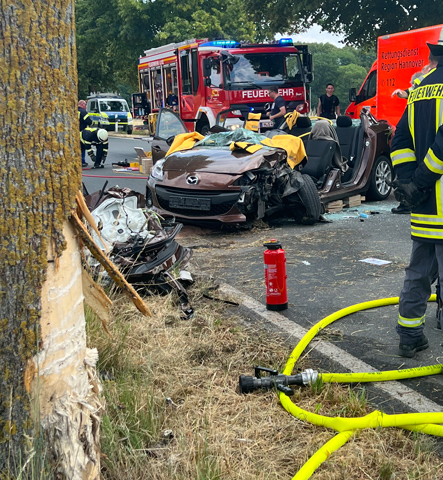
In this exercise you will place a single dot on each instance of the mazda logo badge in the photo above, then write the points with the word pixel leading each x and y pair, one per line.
pixel 192 180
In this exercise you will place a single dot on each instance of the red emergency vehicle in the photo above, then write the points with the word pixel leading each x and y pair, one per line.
pixel 399 56
pixel 199 79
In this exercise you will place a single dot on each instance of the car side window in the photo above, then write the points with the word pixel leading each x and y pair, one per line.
pixel 169 125
pixel 93 106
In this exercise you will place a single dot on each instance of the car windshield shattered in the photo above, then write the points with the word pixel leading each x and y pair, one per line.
pixel 224 139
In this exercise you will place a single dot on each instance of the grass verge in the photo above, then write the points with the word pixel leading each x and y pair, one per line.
pixel 173 409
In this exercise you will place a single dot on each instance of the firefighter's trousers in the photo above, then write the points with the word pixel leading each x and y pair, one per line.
pixel 426 261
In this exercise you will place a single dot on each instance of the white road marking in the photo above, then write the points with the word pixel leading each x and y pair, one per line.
pixel 409 397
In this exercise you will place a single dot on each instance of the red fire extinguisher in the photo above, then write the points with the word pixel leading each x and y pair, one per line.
pixel 275 276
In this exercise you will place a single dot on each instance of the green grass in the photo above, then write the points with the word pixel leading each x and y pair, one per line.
pixel 217 433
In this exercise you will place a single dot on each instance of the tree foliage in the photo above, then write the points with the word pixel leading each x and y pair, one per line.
pixel 344 67
pixel 205 19
pixel 360 21
pixel 112 34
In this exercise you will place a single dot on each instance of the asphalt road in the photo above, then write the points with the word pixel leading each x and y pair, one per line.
pixel 325 273
pixel 121 148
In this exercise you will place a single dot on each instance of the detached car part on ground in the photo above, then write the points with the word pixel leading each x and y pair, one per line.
pixel 211 183
pixel 141 245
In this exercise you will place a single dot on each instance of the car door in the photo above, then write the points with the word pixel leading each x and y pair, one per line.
pixel 367 95
pixel 168 125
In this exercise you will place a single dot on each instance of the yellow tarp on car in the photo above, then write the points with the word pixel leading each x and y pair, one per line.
pixel 184 141
pixel 293 146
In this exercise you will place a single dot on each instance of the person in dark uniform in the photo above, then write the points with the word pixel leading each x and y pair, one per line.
pixel 328 104
pixel 415 81
pixel 278 108
pixel 85 121
pixel 172 101
pixel 417 157
pixel 98 137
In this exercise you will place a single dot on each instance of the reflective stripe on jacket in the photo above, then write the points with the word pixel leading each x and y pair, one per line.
pixel 417 153
pixel 84 118
pixel 89 138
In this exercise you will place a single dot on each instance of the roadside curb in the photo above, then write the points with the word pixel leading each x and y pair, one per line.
pixel 131 137
pixel 411 400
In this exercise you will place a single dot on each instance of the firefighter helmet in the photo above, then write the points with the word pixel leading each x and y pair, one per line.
pixel 102 134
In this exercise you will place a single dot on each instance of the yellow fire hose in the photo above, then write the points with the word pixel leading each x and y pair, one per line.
pixel 418 422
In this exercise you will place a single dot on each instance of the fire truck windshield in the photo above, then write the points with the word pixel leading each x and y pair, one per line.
pixel 260 70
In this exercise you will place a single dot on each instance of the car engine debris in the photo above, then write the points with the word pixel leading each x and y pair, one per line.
pixel 140 243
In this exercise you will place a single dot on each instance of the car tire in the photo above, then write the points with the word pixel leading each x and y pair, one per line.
pixel 129 130
pixel 148 198
pixel 202 127
pixel 381 174
pixel 309 211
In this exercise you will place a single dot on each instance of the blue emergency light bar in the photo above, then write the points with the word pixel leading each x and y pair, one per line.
pixel 220 43
pixel 285 41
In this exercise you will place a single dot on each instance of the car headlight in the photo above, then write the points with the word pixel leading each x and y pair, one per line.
pixel 104 121
pixel 157 170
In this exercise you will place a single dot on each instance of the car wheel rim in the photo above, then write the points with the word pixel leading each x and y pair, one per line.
pixel 383 177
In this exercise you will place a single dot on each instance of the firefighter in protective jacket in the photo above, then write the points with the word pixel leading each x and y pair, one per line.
pixel 84 121
pixel 98 137
pixel 417 157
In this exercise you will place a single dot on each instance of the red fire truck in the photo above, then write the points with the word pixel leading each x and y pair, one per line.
pixel 199 79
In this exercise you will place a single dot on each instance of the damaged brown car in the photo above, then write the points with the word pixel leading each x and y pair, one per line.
pixel 212 183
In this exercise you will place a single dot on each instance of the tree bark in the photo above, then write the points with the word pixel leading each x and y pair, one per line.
pixel 47 375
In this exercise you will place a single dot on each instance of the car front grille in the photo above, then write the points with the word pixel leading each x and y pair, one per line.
pixel 221 202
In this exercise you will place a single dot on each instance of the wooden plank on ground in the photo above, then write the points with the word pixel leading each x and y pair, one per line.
pixel 336 206
pixel 353 201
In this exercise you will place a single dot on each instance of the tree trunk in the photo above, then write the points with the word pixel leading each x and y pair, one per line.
pixel 47 375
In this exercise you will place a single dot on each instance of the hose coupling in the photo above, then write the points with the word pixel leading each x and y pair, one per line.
pixel 309 376
pixel 275 380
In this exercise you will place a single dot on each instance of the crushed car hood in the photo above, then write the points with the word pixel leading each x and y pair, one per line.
pixel 221 160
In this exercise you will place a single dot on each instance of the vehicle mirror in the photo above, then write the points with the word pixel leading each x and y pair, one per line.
pixel 352 95
pixel 207 82
pixel 229 58
pixel 170 140
pixel 309 73
pixel 309 62
pixel 207 63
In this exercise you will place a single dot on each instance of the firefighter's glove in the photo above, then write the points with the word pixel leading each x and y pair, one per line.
pixel 409 194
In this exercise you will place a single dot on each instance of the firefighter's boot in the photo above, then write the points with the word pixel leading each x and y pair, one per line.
pixel 409 350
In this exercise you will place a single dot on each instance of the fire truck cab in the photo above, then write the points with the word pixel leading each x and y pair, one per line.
pixel 199 79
